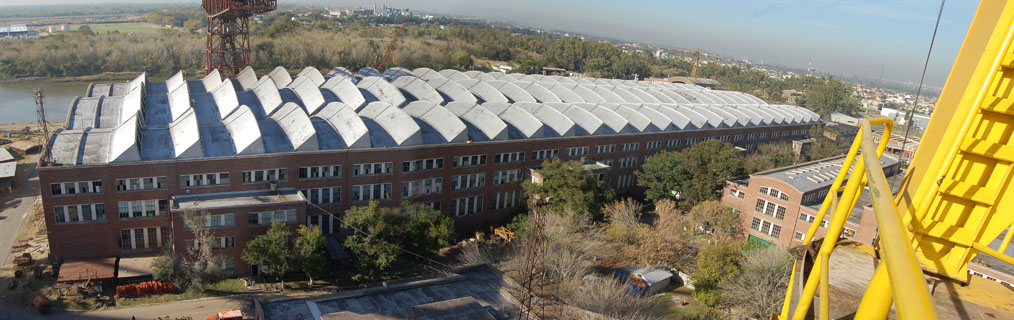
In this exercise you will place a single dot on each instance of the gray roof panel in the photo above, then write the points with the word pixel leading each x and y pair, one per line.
pixel 280 76
pixel 540 93
pixel 377 89
pixel 454 74
pixel 557 124
pixel 247 78
pixel 175 81
pixel 308 93
pixel 345 91
pixel 520 123
pixel 512 91
pixel 428 74
pixel 482 124
pixel 485 92
pixel 416 89
pixel 297 133
pixel 566 95
pixel 123 146
pixel 313 74
pixel 83 113
pixel 587 123
pixel 347 130
pixel 626 95
pixel 186 137
pixel 212 80
pixel 389 126
pixel 242 135
pixel 268 95
pixel 438 124
pixel 452 90
pixel 225 98
pixel 179 102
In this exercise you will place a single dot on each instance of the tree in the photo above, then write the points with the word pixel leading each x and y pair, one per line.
pixel 714 216
pixel 271 250
pixel 693 175
pixel 827 95
pixel 572 188
pixel 624 220
pixel 823 147
pixel 204 263
pixel 769 156
pixel 667 241
pixel 309 251
pixel 170 268
pixel 85 30
pixel 761 285
pixel 716 263
pixel 192 25
pixel 380 234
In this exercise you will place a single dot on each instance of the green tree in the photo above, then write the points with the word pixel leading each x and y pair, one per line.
pixel 822 147
pixel 192 25
pixel 170 268
pixel 572 188
pixel 692 175
pixel 85 30
pixel 379 234
pixel 309 251
pixel 716 263
pixel 272 250
pixel 769 156
pixel 827 95
pixel 760 288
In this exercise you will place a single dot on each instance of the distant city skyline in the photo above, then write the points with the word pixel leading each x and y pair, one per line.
pixel 850 36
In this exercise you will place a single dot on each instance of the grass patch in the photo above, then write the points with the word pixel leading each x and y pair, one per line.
pixel 124 27
pixel 224 287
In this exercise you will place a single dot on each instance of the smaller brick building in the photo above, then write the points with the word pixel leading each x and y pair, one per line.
pixel 779 205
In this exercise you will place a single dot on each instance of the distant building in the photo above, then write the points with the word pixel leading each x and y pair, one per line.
pixel 799 147
pixel 844 118
pixel 778 206
pixel 17 31
pixel 791 95
pixel 8 168
pixel 840 132
pixel 704 82
pixel 872 105
pixel 920 121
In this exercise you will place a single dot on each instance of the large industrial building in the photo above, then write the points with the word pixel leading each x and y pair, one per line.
pixel 279 148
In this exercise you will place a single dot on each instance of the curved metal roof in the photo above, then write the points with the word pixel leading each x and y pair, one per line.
pixel 417 89
pixel 557 124
pixel 345 91
pixel 339 127
pixel 484 91
pixel 438 124
pixel 512 91
pixel 141 120
pixel 483 125
pixel 452 90
pixel 389 126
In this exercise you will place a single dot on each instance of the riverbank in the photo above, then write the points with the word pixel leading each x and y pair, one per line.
pixel 107 76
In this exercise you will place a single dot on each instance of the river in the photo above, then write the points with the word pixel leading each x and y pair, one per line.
pixel 18 105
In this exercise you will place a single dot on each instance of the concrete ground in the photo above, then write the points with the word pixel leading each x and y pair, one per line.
pixel 852 268
pixel 18 205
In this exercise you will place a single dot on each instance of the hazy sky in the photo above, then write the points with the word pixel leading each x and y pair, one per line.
pixel 858 36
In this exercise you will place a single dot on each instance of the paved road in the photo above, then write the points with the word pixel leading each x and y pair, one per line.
pixel 16 209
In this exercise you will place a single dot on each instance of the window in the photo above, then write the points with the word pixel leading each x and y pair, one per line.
pixel 142 238
pixel 774 134
pixel 624 181
pixel 422 187
pixel 228 264
pixel 751 136
pixel 762 135
pixel 326 222
pixel 319 196
pixel 605 149
pixel 737 193
pixel 366 192
pixel 724 138
pixel 770 209
pixel 206 179
pixel 320 172
pixel 672 143
pixel 823 224
pixel 510 157
pixel 135 184
pixel 79 187
pixel 504 200
pixel 422 165
pixel 465 206
pixel 224 243
pixel 738 137
pixel 372 169
pixel 577 152
pixel 469 161
pixel 798 236
pixel 629 147
pixel 692 141
pixel 766 227
pixel 545 154
pixel 848 233
pixel 279 174
pixel 468 181
pixel 82 213
pixel 806 217
pixel 774 193
pixel 785 133
pixel 266 218
pixel 608 162
pixel 434 204
pixel 142 209
pixel 506 177
pixel 628 162
pixel 652 145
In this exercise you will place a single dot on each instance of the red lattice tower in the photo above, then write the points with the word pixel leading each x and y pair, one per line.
pixel 228 48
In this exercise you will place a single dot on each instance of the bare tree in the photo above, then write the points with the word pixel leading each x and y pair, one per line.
pixel 204 263
pixel 760 286
pixel 624 220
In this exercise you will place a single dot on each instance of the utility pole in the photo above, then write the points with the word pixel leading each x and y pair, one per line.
pixel 40 112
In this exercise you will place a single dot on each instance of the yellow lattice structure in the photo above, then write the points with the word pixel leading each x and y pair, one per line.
pixel 951 202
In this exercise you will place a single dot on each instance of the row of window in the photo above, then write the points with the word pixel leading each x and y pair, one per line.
pixel 769 208
pixel 227 242
pixel 624 181
pixel 207 179
pixel 136 184
pixel 628 162
pixel 144 238
pixel 766 227
pixel 78 187
pixel 322 196
pixel 510 157
pixel 507 177
pixel 320 172
pixel 142 208
pixel 79 213
pixel 269 217
pixel 422 187
pixel 737 193
pixel 468 181
pixel 774 193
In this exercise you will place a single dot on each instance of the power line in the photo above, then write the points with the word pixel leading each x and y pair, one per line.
pixel 911 109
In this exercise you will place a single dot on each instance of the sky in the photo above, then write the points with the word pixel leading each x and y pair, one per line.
pixel 853 36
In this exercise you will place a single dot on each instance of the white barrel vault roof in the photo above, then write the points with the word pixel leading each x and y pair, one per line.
pixel 142 120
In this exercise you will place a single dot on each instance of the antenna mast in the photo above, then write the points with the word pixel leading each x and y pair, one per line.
pixel 40 112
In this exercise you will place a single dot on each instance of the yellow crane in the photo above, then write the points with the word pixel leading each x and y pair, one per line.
pixel 948 209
